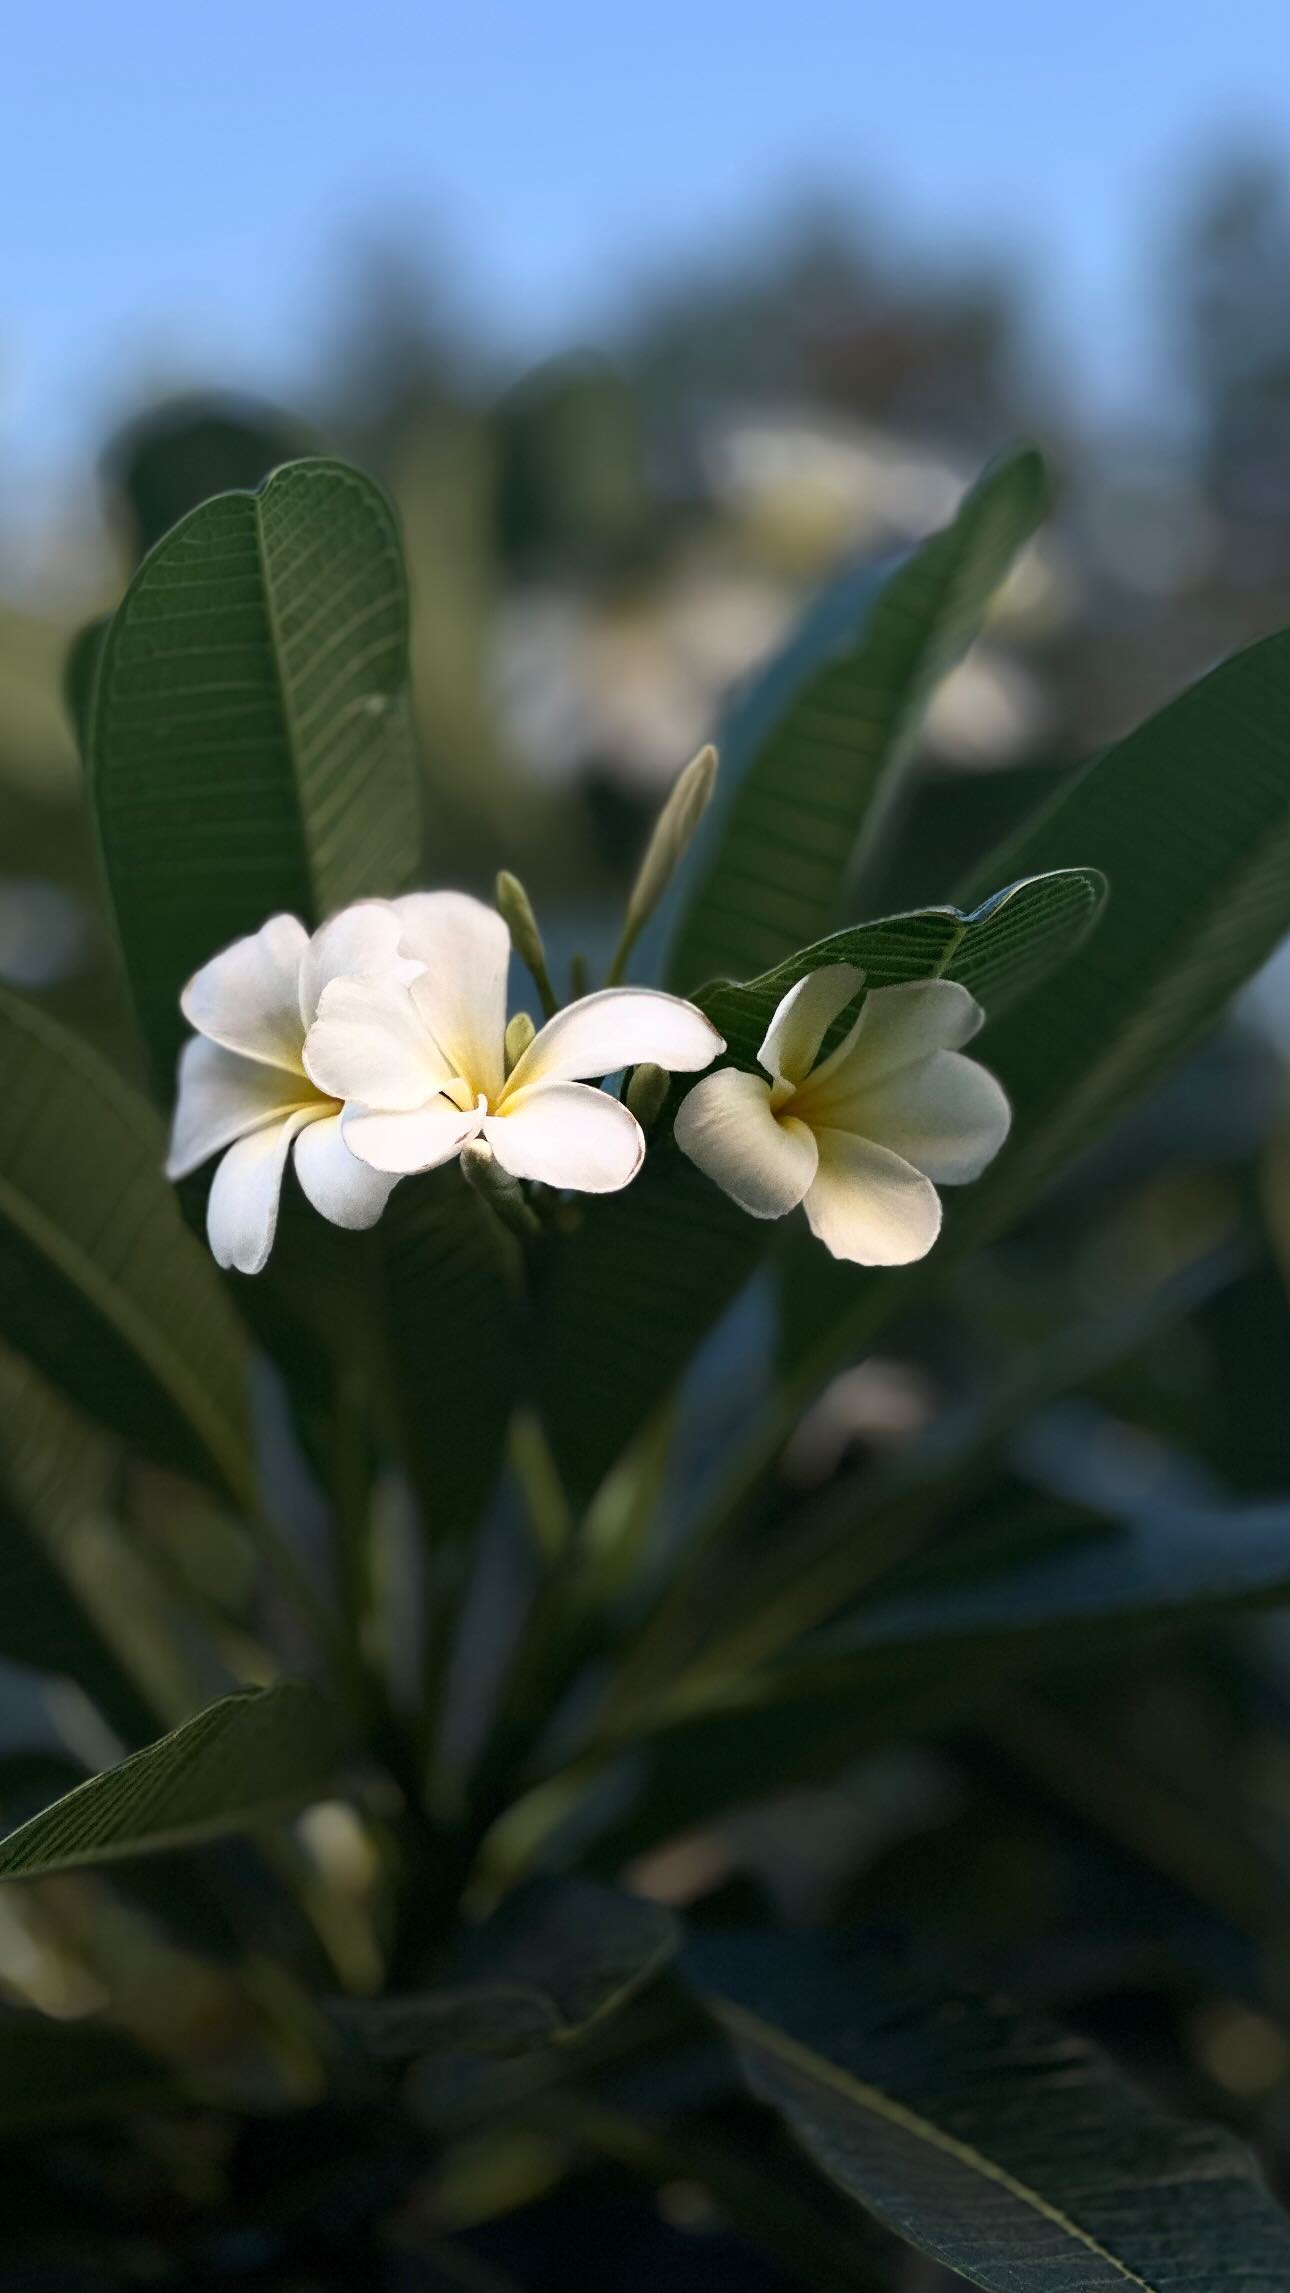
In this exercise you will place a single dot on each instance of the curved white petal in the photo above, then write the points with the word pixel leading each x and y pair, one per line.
pixel 417 1140
pixel 867 1204
pixel 242 1209
pixel 248 996
pixel 764 1161
pixel 948 1116
pixel 364 938
pixel 567 1134
pixel 369 1042
pixel 221 1097
pixel 342 1188
pixel 897 1026
pixel 803 1019
pixel 617 1027
pixel 466 950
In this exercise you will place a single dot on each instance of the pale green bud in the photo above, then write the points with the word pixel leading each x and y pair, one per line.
pixel 495 1186
pixel 646 1093
pixel 520 1032
pixel 516 910
pixel 673 831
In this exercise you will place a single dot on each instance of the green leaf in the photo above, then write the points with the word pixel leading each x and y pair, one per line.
pixel 251 747
pixel 559 1956
pixel 42 1624
pixel 812 754
pixel 1190 819
pixel 648 1274
pixel 101 1284
pixel 1000 952
pixel 450 1296
pixel 1173 1570
pixel 251 1756
pixel 52 2072
pixel 188 449
pixel 1007 2150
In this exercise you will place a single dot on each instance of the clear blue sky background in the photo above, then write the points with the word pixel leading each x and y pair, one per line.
pixel 178 176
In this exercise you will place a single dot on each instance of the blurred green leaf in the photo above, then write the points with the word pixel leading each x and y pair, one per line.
pixel 650 1271
pixel 80 673
pixel 1007 2150
pixel 451 1315
pixel 1189 818
pixel 251 748
pixel 54 2072
pixel 812 753
pixel 43 1624
pixel 101 1284
pixel 251 1756
pixel 1174 1569
pixel 559 1956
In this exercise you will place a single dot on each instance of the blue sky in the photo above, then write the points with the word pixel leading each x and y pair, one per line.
pixel 179 179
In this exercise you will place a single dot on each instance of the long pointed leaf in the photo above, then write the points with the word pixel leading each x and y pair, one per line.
pixel 250 747
pixel 812 752
pixel 244 1760
pixel 1007 2150
pixel 101 1284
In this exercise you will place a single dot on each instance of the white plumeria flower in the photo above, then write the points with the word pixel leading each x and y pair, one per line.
pixel 422 1065
pixel 243 1089
pixel 860 1138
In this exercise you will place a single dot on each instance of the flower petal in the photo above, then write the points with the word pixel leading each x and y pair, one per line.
pixel 567 1134
pixel 617 1027
pixel 364 938
pixel 343 1189
pixel 897 1026
pixel 764 1161
pixel 369 1042
pixel 221 1097
pixel 868 1205
pixel 242 1210
pixel 466 950
pixel 948 1116
pixel 419 1139
pixel 803 1019
pixel 248 996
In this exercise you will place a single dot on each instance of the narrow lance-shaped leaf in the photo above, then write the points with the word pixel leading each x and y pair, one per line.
pixel 1189 818
pixel 250 747
pixel 251 1756
pixel 559 1956
pixel 101 1284
pixel 42 1624
pixel 648 1274
pixel 1007 2150
pixel 811 755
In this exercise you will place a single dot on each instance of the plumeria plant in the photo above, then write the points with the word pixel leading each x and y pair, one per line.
pixel 593 1622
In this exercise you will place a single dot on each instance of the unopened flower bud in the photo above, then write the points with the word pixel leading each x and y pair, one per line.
pixel 516 910
pixel 520 1032
pixel 646 1093
pixel 673 832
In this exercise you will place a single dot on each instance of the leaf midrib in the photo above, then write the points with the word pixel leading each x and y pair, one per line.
pixel 754 2032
